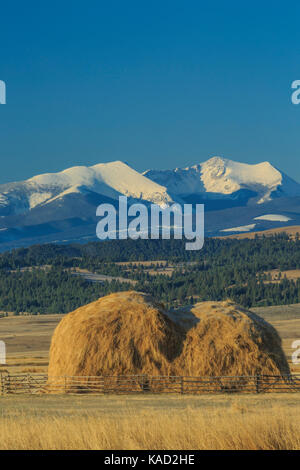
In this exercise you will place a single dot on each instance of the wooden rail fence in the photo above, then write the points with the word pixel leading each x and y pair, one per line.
pixel 41 383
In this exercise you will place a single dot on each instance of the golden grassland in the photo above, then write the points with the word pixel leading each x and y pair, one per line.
pixel 27 340
pixel 276 275
pixel 154 422
pixel 160 422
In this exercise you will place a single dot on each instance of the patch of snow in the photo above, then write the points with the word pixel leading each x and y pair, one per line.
pixel 129 182
pixel 273 218
pixel 243 228
pixel 3 200
pixel 73 189
pixel 38 198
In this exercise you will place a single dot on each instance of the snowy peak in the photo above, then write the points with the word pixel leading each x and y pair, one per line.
pixel 107 179
pixel 115 175
pixel 226 176
pixel 220 176
pixel 223 176
pixel 125 180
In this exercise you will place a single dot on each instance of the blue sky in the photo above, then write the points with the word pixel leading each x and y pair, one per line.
pixel 157 84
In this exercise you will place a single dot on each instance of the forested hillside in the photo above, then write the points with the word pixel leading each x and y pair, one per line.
pixel 41 279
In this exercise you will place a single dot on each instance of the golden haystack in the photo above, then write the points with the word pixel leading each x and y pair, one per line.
pixel 129 334
pixel 224 339
pixel 126 333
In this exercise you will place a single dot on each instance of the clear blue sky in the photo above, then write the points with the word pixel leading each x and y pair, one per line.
pixel 157 84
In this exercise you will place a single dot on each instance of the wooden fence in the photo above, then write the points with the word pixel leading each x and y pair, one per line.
pixel 41 383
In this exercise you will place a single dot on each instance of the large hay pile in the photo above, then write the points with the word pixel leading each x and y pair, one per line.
pixel 128 333
pixel 223 338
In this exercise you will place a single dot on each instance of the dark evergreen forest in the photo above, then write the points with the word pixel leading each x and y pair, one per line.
pixel 40 279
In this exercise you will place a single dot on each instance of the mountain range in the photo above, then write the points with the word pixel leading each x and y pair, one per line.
pixel 61 207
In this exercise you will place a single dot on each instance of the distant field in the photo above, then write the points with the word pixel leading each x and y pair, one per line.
pixel 93 277
pixel 286 320
pixel 150 267
pixel 279 312
pixel 28 337
pixel 292 231
pixel 27 341
pixel 277 275
pixel 155 268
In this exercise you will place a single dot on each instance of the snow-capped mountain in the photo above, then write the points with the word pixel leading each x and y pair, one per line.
pixel 107 179
pixel 219 177
pixel 56 207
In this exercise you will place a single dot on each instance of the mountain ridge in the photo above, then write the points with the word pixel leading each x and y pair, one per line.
pixel 108 179
pixel 221 176
pixel 62 206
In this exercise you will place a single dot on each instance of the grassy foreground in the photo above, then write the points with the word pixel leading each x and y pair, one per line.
pixel 157 422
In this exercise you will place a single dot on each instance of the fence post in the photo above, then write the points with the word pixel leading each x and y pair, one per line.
pixel 257 383
pixel 145 383
pixel 181 386
pixel 5 384
pixel 7 388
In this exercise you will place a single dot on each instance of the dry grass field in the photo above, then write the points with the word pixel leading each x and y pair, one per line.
pixel 27 341
pixel 162 422
pixel 150 422
pixel 286 320
pixel 276 275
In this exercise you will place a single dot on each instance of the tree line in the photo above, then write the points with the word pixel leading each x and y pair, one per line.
pixel 224 268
